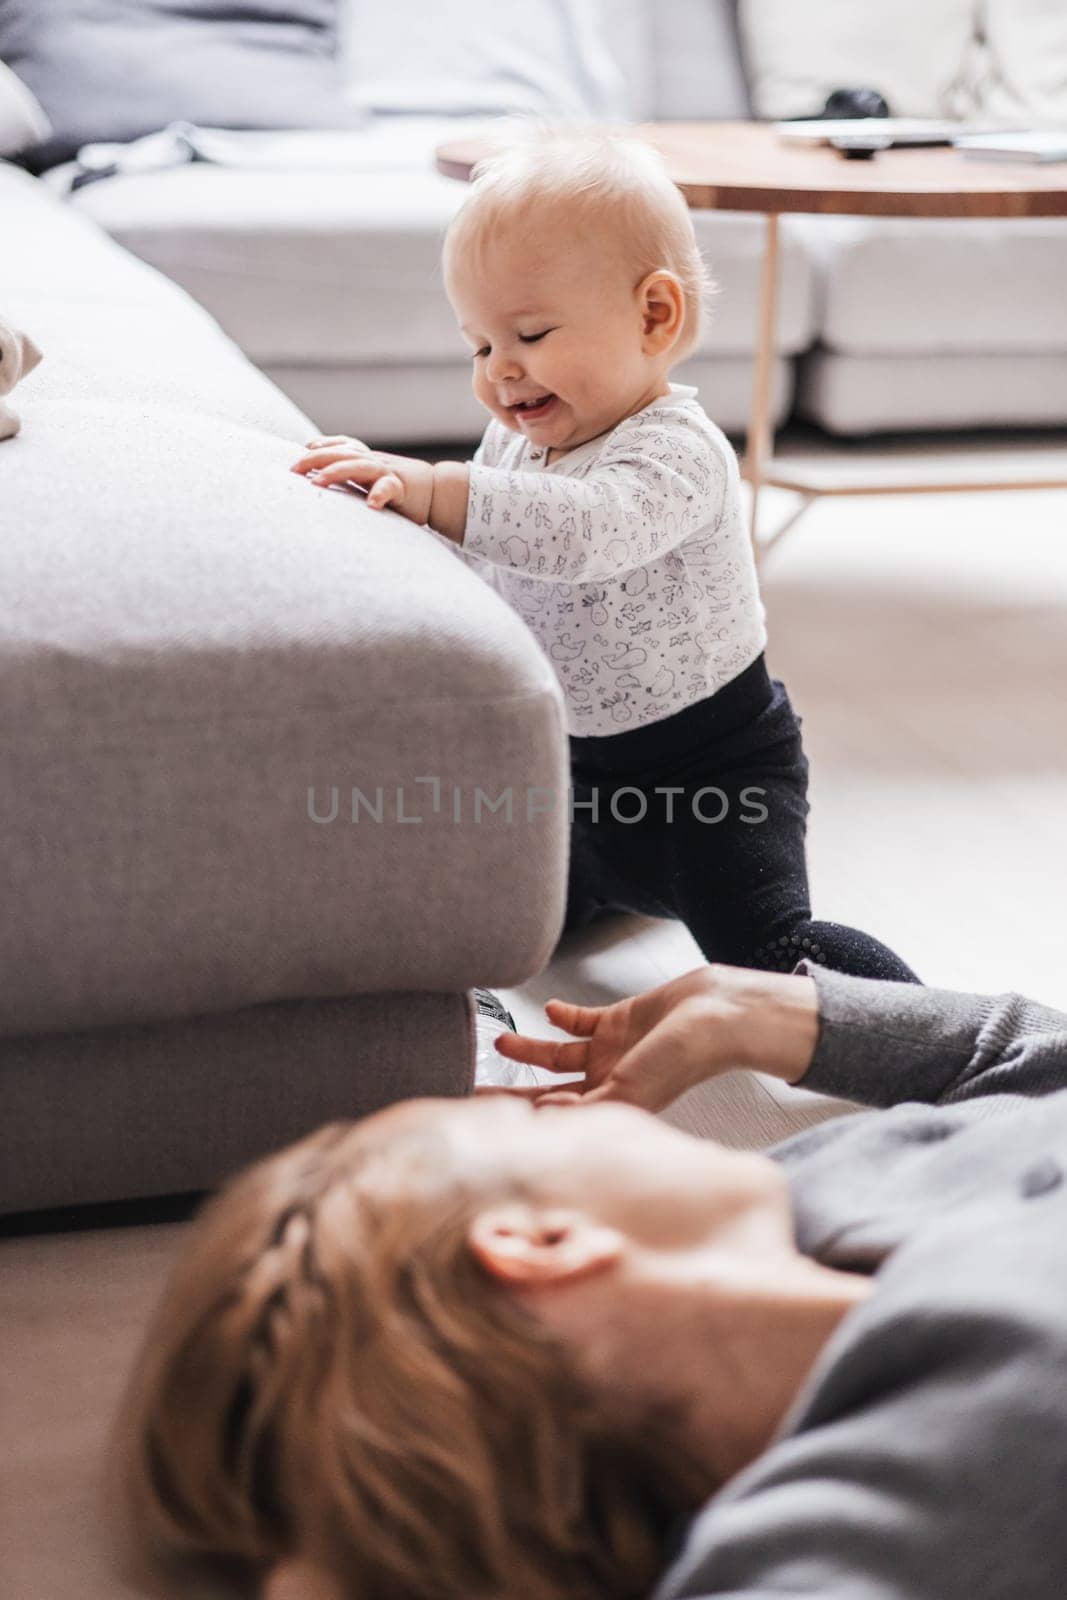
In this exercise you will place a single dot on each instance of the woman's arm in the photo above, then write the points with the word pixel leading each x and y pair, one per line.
pixel 925 1459
pixel 881 1043
pixel 858 1038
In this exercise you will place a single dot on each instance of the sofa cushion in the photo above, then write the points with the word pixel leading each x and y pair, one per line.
pixel 123 68
pixel 854 394
pixel 191 639
pixel 465 57
pixel 913 52
pixel 169 1107
pixel 698 70
pixel 930 286
pixel 306 267
pixel 1020 71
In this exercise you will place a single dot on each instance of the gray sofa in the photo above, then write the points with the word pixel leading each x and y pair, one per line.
pixel 326 273
pixel 201 656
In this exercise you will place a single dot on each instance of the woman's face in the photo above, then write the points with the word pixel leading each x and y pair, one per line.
pixel 662 1189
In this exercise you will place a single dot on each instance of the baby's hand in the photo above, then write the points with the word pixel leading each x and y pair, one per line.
pixel 399 481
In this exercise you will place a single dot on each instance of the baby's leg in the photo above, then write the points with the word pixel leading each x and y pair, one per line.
pixel 614 866
pixel 746 903
pixel 719 840
pixel 587 893
pixel 741 886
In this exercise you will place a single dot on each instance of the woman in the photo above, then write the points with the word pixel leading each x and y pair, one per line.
pixel 480 1349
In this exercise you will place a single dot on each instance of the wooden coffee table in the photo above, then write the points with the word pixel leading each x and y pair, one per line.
pixel 744 166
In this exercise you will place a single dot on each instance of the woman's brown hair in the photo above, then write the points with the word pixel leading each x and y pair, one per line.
pixel 332 1377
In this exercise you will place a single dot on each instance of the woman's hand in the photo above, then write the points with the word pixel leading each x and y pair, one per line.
pixel 651 1049
pixel 398 481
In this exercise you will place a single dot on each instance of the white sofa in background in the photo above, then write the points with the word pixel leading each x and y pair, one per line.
pixel 330 281
pixel 332 285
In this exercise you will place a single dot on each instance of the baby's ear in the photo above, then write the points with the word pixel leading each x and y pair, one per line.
pixel 662 302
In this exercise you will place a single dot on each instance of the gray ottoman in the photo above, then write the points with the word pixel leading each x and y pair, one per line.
pixel 281 778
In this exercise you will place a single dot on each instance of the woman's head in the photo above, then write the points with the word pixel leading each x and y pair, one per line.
pixel 574 273
pixel 352 1364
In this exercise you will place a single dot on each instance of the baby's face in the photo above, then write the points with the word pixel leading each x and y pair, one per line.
pixel 555 327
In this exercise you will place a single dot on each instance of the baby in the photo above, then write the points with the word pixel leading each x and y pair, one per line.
pixel 605 507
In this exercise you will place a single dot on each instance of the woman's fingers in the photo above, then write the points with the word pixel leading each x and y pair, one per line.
pixel 652 1075
pixel 552 1054
pixel 579 1020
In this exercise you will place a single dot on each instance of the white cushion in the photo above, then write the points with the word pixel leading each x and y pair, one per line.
pixel 1021 71
pixel 871 394
pixel 317 269
pixel 298 266
pixel 466 56
pixel 698 70
pixel 912 51
pixel 924 287
pixel 22 118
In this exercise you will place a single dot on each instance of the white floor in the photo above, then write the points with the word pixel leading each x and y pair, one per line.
pixel 924 641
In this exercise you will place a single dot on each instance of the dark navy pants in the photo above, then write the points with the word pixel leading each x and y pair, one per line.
pixel 702 816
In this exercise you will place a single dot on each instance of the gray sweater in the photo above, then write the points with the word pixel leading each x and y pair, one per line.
pixel 926 1458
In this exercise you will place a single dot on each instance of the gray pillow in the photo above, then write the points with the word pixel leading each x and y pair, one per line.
pixel 117 69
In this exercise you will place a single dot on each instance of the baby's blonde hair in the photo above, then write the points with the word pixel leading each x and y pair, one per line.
pixel 597 174
pixel 331 1377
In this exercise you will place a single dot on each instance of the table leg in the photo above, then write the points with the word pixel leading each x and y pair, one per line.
pixel 760 432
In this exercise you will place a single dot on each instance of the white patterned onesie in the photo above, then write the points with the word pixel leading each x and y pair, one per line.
pixel 628 558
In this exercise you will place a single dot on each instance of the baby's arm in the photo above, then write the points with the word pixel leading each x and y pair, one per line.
pixel 585 530
pixel 427 494
pixel 634 506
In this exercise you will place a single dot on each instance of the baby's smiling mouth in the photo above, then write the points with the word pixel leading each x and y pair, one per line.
pixel 533 407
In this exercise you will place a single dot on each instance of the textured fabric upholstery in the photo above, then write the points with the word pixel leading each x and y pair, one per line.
pixel 913 52
pixel 468 56
pixel 903 286
pixel 190 639
pixel 170 1108
pixel 121 68
pixel 856 394
pixel 698 70
pixel 936 324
